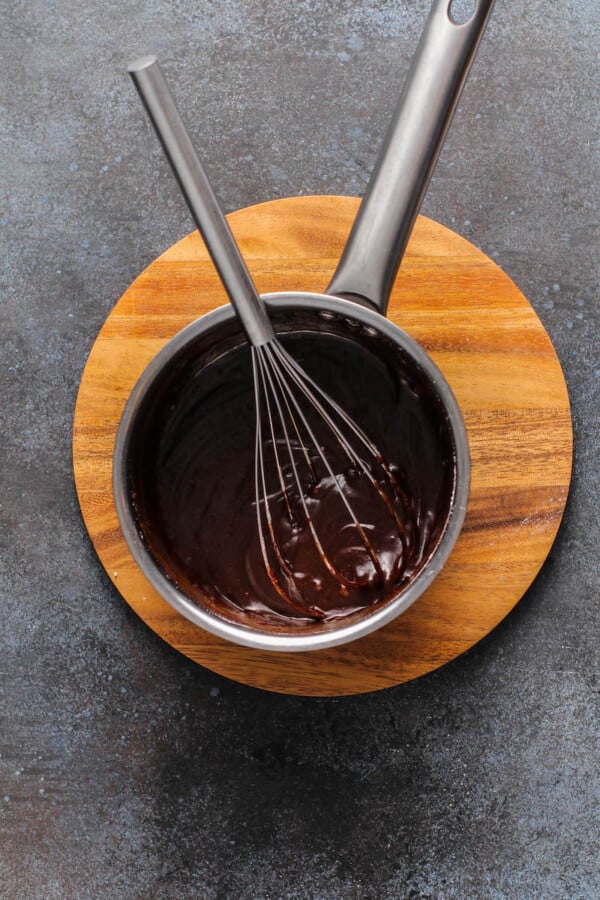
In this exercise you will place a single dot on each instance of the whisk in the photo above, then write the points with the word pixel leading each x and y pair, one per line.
pixel 307 446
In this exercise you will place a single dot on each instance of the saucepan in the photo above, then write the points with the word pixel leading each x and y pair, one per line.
pixel 351 310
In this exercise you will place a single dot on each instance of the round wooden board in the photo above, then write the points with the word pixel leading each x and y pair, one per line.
pixel 499 361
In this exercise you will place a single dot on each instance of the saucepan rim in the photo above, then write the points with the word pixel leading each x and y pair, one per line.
pixel 331 634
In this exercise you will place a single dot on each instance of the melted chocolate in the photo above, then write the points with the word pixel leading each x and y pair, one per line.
pixel 191 474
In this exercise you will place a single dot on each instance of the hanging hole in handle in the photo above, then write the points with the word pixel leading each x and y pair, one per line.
pixel 461 11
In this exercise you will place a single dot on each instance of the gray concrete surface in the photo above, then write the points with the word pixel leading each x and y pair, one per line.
pixel 125 770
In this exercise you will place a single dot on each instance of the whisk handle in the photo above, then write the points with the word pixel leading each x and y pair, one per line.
pixel 407 159
pixel 203 204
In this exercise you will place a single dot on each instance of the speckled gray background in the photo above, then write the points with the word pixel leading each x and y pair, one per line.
pixel 126 771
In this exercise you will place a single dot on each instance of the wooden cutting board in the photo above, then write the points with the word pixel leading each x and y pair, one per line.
pixel 492 348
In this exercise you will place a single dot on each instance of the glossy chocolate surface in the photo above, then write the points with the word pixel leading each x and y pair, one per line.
pixel 191 476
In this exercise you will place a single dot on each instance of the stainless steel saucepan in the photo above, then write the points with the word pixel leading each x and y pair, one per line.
pixel 355 301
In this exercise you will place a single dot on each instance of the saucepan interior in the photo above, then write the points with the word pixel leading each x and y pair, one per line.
pixel 372 368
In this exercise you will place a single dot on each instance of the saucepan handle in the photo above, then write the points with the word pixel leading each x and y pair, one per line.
pixel 385 219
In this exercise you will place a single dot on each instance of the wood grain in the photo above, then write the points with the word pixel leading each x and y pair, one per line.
pixel 491 346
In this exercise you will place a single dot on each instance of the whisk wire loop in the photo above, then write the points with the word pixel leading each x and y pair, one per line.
pixel 282 388
pixel 286 388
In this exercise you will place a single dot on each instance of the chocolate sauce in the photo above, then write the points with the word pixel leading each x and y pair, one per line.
pixel 191 475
